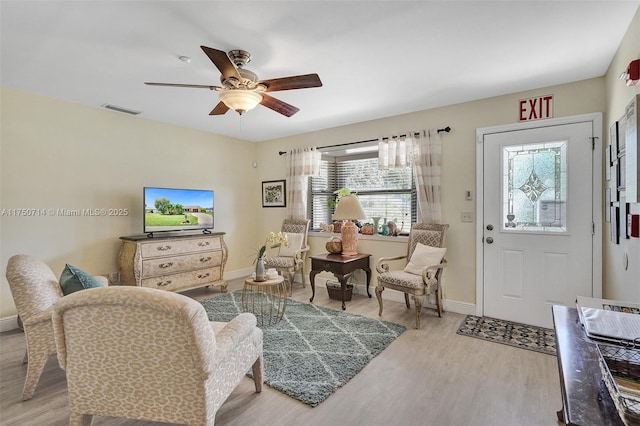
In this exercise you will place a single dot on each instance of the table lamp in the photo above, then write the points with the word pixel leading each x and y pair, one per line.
pixel 349 209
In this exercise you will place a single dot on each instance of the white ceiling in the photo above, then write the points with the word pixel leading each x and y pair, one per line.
pixel 375 58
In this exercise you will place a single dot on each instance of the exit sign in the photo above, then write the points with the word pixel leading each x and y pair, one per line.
pixel 537 108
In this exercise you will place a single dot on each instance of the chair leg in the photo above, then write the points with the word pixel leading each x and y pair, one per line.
pixel 406 300
pixel 289 277
pixel 304 274
pixel 419 300
pixel 439 300
pixel 34 370
pixel 379 290
pixel 258 374
pixel 80 419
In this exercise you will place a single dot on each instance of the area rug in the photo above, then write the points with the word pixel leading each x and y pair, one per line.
pixel 314 350
pixel 523 336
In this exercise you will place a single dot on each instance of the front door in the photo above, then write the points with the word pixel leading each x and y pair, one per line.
pixel 538 222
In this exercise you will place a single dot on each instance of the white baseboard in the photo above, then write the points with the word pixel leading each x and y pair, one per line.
pixel 11 323
pixel 397 296
pixel 8 323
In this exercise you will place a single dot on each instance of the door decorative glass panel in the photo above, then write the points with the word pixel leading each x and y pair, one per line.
pixel 534 187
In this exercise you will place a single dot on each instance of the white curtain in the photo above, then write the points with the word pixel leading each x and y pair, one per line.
pixel 394 153
pixel 422 152
pixel 302 163
pixel 427 150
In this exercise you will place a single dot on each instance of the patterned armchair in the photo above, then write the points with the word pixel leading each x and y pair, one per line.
pixel 149 354
pixel 423 278
pixel 292 259
pixel 35 289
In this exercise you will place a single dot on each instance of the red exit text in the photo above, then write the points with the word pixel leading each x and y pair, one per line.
pixel 536 108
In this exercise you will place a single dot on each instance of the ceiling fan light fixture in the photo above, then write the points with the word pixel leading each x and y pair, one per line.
pixel 240 100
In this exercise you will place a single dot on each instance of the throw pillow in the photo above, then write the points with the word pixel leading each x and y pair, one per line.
pixel 424 256
pixel 295 244
pixel 74 279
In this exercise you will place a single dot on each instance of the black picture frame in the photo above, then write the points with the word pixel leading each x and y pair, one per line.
pixel 613 139
pixel 274 193
pixel 607 163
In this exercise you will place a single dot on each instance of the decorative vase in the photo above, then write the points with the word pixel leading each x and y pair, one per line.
pixel 261 274
pixel 334 245
pixel 376 220
pixel 384 229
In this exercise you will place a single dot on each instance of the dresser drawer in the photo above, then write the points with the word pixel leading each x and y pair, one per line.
pixel 176 282
pixel 171 247
pixel 176 264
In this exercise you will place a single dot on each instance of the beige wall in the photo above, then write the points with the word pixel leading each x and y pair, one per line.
pixel 621 284
pixel 60 155
pixel 458 164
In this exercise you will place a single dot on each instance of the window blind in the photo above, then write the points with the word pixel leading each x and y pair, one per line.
pixel 389 194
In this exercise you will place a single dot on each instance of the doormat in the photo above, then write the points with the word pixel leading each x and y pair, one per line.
pixel 313 350
pixel 510 333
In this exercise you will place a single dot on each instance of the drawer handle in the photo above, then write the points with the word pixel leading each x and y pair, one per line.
pixel 203 275
pixel 164 283
pixel 205 259
pixel 163 248
pixel 166 265
pixel 203 243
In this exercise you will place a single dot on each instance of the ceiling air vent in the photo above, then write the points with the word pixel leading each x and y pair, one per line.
pixel 121 109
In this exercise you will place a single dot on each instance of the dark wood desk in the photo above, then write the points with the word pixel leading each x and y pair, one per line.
pixel 342 267
pixel 585 398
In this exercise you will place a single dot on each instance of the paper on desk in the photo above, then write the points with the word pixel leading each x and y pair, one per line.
pixel 600 323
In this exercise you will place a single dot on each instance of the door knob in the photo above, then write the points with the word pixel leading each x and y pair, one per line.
pixel 489 227
pixel 489 240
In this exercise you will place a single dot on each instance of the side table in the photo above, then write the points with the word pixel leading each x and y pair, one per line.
pixel 342 267
pixel 267 300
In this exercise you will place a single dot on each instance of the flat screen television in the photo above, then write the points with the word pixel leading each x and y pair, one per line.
pixel 176 209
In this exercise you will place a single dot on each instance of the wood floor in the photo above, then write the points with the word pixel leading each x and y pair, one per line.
pixel 430 376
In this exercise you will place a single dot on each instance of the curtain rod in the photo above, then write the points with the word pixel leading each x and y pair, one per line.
pixel 446 129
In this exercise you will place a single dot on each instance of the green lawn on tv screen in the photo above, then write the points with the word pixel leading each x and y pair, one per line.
pixel 157 219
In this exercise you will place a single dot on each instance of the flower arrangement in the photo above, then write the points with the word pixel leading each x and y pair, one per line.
pixel 272 240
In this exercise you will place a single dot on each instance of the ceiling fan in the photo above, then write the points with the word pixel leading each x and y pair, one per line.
pixel 241 90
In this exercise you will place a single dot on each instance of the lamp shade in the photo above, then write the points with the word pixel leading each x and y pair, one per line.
pixel 240 100
pixel 349 208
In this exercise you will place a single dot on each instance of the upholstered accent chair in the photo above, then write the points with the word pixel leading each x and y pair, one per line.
pixel 149 354
pixel 35 290
pixel 292 259
pixel 423 268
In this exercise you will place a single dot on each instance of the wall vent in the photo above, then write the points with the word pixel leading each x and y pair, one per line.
pixel 121 109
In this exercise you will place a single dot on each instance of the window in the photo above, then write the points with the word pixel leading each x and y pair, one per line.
pixel 388 194
pixel 534 187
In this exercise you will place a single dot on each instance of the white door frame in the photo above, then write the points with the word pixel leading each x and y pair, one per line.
pixel 596 122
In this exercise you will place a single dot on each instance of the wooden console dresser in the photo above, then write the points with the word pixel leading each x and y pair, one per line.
pixel 174 263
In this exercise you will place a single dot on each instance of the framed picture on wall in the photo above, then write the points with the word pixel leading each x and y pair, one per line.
pixel 607 163
pixel 613 138
pixel 274 193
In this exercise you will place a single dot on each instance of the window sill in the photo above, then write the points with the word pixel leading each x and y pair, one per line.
pixel 386 238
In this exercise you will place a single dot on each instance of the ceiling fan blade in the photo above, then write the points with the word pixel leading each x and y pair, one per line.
pixel 278 106
pixel 221 60
pixel 196 86
pixel 290 83
pixel 220 109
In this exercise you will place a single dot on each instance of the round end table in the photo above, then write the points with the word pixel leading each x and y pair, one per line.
pixel 267 300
